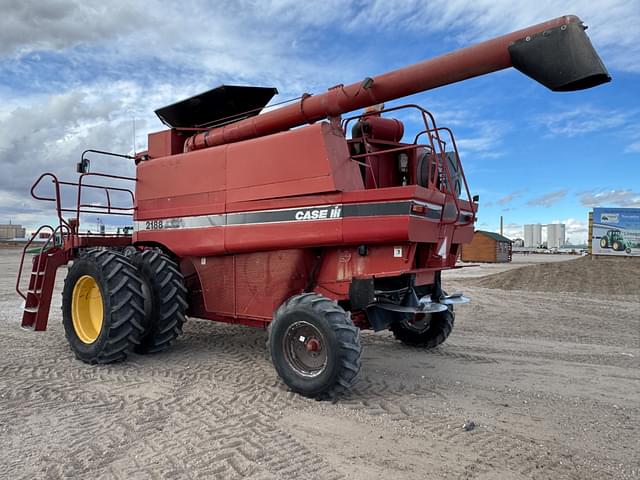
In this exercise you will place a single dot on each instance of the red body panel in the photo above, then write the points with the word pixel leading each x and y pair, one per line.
pixel 164 143
pixel 306 161
pixel 252 285
pixel 300 162
pixel 182 185
pixel 254 220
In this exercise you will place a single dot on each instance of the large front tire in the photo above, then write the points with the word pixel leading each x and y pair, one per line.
pixel 102 307
pixel 314 346
pixel 167 302
pixel 437 331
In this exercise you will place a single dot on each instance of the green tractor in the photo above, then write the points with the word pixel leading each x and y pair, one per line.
pixel 615 240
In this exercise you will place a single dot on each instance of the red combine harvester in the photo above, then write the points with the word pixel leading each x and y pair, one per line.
pixel 240 217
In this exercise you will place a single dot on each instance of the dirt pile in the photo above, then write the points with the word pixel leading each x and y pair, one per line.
pixel 596 275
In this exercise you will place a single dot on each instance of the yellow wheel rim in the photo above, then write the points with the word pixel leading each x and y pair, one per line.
pixel 87 310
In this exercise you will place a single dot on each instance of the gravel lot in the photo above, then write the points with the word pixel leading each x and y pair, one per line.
pixel 551 381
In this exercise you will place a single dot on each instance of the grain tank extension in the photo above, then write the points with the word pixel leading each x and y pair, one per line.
pixel 301 219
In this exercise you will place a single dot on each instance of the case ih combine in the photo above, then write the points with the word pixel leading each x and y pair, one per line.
pixel 315 232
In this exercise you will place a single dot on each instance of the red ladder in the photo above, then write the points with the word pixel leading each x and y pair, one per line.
pixel 41 283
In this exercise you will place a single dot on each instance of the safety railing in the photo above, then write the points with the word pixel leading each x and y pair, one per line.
pixel 436 146
pixel 57 235
pixel 84 208
pixel 70 227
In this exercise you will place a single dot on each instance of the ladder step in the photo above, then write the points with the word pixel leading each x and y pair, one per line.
pixel 31 309
pixel 37 273
pixel 36 292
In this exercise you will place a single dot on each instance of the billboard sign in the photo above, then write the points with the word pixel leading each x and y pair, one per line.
pixel 616 231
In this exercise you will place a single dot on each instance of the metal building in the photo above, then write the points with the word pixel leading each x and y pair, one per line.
pixel 10 231
pixel 556 235
pixel 533 235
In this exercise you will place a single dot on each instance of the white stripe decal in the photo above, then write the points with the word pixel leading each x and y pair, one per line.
pixel 285 215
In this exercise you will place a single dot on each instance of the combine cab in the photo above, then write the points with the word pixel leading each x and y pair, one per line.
pixel 313 233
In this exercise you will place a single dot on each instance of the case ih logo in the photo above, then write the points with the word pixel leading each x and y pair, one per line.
pixel 319 213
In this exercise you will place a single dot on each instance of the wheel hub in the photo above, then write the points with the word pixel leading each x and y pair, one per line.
pixel 313 345
pixel 87 309
pixel 303 346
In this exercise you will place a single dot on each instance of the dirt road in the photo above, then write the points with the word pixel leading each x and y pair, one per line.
pixel 551 381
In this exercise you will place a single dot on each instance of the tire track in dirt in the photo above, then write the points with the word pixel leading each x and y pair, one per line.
pixel 244 444
pixel 212 406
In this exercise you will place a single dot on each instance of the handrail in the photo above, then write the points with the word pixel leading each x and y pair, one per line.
pixel 102 152
pixel 448 172
pixel 24 252
pixel 464 177
pixel 391 150
pixel 60 228
pixel 109 208
pixel 443 162
pixel 81 208
pixel 56 199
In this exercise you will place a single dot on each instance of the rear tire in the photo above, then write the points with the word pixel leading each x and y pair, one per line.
pixel 314 346
pixel 433 335
pixel 102 307
pixel 167 303
pixel 604 243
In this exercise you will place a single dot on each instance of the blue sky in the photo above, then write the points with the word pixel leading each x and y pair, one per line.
pixel 74 75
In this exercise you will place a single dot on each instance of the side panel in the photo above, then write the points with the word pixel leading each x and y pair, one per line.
pixel 164 143
pixel 186 242
pixel 217 279
pixel 344 263
pixel 249 238
pixel 303 161
pixel 252 285
pixel 181 185
pixel 265 280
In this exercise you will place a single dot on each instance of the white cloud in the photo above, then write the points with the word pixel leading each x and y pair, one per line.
pixel 583 120
pixel 548 199
pixel 48 133
pixel 485 140
pixel 168 51
pixel 58 24
pixel 603 198
pixel 507 199
pixel 612 21
pixel 513 230
pixel 576 231
pixel 174 31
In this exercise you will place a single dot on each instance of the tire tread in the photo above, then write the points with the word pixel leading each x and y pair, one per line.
pixel 123 320
pixel 168 293
pixel 347 336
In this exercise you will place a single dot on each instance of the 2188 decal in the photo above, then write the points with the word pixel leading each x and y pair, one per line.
pixel 153 224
